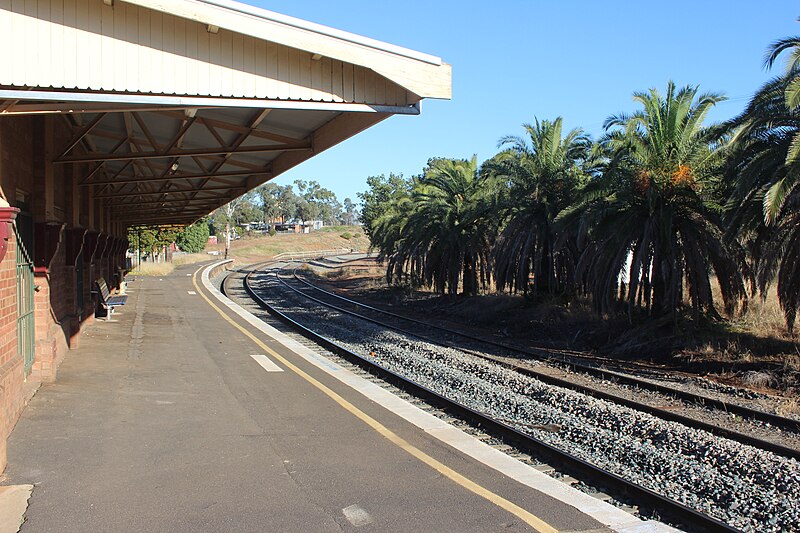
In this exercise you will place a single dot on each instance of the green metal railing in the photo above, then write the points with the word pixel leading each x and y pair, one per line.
pixel 25 306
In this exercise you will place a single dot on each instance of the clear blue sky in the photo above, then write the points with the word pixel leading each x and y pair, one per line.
pixel 516 59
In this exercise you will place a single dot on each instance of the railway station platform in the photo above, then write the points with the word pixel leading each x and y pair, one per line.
pixel 181 415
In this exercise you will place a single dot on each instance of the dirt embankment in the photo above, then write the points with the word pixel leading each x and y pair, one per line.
pixel 260 247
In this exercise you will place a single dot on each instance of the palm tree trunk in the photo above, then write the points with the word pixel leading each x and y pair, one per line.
pixel 469 281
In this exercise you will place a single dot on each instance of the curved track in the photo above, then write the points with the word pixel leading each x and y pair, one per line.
pixel 664 506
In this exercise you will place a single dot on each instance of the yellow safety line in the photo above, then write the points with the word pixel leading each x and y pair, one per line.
pixel 532 520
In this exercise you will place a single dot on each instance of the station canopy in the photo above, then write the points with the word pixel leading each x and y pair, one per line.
pixel 178 106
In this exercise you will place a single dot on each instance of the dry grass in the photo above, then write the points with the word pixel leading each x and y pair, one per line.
pixel 758 379
pixel 789 406
pixel 763 318
pixel 162 269
pixel 339 273
pixel 258 248
pixel 190 259
pixel 358 272
pixel 153 269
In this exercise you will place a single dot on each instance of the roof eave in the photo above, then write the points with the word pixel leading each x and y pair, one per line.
pixel 424 76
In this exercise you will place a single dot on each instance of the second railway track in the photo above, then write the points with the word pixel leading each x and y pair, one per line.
pixel 455 339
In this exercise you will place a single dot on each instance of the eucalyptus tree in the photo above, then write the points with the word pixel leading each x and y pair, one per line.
pixel 349 213
pixel 277 202
pixel 441 234
pixel 542 171
pixel 653 216
pixel 765 204
pixel 316 202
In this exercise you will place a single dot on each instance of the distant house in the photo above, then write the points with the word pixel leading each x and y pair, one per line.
pixel 297 227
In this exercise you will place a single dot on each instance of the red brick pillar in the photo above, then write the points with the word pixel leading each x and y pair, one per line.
pixel 12 372
pixel 51 301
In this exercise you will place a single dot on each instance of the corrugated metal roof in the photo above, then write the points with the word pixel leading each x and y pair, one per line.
pixel 172 120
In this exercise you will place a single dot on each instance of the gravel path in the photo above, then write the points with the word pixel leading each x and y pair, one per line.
pixel 748 488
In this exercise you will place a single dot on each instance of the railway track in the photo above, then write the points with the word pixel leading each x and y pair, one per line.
pixel 511 431
pixel 571 359
pixel 428 332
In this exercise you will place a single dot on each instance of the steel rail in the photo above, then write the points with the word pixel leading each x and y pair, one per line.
pixel 651 499
pixel 664 414
pixel 746 412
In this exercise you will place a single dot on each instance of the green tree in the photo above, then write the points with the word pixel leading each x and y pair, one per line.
pixel 194 237
pixel 277 202
pixel 765 163
pixel 319 203
pixel 791 87
pixel 543 172
pixel 445 239
pixel 382 192
pixel 150 240
pixel 349 215
pixel 654 216
pixel 141 239
pixel 235 213
pixel 248 209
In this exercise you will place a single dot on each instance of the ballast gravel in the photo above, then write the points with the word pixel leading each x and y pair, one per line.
pixel 748 488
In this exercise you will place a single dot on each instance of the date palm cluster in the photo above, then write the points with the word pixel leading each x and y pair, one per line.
pixel 646 220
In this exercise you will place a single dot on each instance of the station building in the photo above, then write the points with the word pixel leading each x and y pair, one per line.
pixel 116 113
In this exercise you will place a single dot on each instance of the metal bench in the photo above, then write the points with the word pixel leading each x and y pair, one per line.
pixel 107 300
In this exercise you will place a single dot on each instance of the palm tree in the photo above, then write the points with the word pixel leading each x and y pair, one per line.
pixel 765 204
pixel 543 173
pixel 441 235
pixel 792 79
pixel 653 217
pixel 388 230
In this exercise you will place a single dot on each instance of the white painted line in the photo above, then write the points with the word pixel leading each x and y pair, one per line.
pixel 357 516
pixel 605 513
pixel 191 292
pixel 266 363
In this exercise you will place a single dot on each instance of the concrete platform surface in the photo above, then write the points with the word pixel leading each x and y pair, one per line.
pixel 164 421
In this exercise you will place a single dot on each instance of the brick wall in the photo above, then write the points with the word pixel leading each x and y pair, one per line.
pixel 54 203
pixel 12 375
